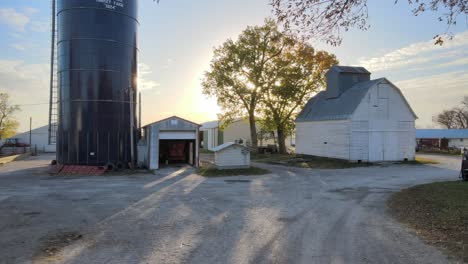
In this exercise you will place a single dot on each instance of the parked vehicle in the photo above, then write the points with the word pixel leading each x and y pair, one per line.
pixel 14 142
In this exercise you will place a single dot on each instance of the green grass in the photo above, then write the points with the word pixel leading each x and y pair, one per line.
pixel 419 161
pixel 206 151
pixel 214 172
pixel 438 212
pixel 305 161
pixel 440 152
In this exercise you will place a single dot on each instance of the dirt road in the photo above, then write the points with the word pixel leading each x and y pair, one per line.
pixel 291 216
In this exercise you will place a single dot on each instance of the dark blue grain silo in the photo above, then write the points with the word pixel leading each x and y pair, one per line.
pixel 97 72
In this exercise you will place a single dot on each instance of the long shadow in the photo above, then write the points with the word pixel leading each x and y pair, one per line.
pixel 185 218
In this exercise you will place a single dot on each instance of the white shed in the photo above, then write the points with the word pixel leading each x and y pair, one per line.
pixel 173 140
pixel 231 156
pixel 357 119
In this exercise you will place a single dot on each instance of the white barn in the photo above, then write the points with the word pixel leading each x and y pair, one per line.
pixel 231 156
pixel 357 119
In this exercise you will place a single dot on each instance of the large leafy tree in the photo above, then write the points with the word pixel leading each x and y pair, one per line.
pixel 239 72
pixel 293 78
pixel 327 19
pixel 8 125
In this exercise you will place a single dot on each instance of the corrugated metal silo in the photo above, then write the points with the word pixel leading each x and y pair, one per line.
pixel 97 71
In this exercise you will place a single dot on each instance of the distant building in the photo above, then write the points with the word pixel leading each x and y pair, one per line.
pixel 237 131
pixel 357 119
pixel 442 138
pixel 39 139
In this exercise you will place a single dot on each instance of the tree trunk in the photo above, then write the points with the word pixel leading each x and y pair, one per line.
pixel 253 131
pixel 281 141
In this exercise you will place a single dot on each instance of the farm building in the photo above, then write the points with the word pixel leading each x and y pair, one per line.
pixel 442 138
pixel 169 141
pixel 357 119
pixel 231 156
pixel 237 131
pixel 39 139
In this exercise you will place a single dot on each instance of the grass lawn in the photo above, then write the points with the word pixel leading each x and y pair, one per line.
pixel 419 161
pixel 214 172
pixel 304 161
pixel 439 214
pixel 440 152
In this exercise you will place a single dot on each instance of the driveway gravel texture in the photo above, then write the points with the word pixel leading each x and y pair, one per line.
pixel 292 215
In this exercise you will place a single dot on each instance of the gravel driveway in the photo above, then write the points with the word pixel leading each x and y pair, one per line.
pixel 291 216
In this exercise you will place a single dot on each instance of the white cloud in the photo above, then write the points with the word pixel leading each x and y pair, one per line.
pixel 13 19
pixel 26 84
pixel 429 95
pixel 145 84
pixel 419 53
pixel 40 26
pixel 18 46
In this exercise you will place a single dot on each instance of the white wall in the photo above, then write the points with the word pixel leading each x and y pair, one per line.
pixel 239 129
pixel 40 138
pixel 212 135
pixel 312 136
pixel 381 128
pixel 458 143
pixel 232 157
pixel 390 125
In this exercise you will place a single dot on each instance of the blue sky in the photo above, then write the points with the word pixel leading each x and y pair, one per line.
pixel 177 38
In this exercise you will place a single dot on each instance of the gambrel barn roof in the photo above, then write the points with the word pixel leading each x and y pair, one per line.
pixel 324 107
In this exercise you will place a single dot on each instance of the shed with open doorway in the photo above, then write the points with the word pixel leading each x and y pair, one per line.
pixel 173 140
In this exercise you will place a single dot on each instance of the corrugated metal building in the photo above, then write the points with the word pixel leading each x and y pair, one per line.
pixel 171 140
pixel 456 138
pixel 239 129
pixel 357 119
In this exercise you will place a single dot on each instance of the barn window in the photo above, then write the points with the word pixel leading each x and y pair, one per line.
pixel 174 122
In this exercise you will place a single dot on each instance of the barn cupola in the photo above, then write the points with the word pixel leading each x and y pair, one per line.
pixel 341 78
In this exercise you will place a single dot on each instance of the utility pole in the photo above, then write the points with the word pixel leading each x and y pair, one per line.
pixel 132 110
pixel 30 133
pixel 139 110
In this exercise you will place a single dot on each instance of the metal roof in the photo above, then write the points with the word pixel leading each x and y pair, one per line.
pixel 320 108
pixel 211 124
pixel 441 133
pixel 172 117
pixel 349 69
pixel 226 145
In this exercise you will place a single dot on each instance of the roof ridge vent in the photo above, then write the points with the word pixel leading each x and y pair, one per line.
pixel 341 78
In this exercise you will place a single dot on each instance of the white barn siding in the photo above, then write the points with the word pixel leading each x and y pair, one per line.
pixel 390 124
pixel 324 138
pixel 232 157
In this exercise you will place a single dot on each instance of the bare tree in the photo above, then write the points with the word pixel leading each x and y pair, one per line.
pixel 455 118
pixel 327 19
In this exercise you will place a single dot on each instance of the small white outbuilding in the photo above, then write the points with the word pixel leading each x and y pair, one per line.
pixel 231 156
pixel 357 119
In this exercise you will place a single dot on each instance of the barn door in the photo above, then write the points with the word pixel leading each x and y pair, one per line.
pixel 391 146
pixel 384 146
pixel 377 146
